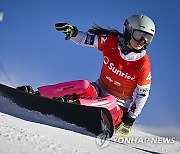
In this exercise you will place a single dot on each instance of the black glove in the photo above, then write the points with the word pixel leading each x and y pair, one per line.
pixel 128 120
pixel 67 29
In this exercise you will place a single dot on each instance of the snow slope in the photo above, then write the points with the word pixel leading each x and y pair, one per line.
pixel 28 132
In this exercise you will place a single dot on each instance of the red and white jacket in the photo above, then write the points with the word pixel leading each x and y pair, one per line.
pixel 121 75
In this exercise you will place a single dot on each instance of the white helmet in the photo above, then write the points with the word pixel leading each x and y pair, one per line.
pixel 139 27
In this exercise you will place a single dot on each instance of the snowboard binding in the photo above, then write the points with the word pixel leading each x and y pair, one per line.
pixel 27 89
pixel 68 99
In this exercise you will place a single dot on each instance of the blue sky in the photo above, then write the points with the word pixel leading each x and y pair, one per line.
pixel 33 52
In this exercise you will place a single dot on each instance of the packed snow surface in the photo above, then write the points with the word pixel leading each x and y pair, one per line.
pixel 29 132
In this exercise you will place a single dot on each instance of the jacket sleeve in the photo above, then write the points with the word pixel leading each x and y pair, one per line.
pixel 142 94
pixel 102 42
pixel 142 90
pixel 86 39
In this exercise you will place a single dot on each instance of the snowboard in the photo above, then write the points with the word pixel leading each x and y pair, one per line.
pixel 96 120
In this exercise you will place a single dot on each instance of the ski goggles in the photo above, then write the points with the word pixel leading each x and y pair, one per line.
pixel 138 35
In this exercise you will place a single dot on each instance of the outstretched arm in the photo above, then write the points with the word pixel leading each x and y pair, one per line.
pixel 79 37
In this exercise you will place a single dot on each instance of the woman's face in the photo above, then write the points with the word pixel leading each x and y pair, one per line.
pixel 137 44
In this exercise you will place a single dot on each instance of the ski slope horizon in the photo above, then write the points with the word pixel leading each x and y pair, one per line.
pixel 30 132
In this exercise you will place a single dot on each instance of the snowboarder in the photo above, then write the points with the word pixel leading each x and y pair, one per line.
pixel 126 67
